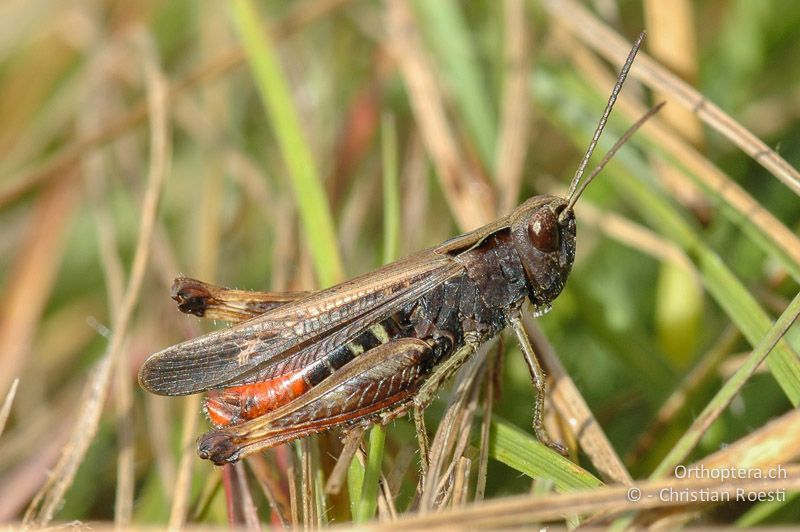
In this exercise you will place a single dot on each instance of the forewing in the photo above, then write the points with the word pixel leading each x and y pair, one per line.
pixel 310 326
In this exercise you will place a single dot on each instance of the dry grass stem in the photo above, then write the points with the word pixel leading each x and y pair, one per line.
pixel 51 495
pixel 5 410
pixel 520 510
pixel 307 484
pixel 174 477
pixel 494 366
pixel 94 171
pixel 671 40
pixel 244 499
pixel 773 445
pixel 402 462
pixel 49 498
pixel 59 163
pixel 461 435
pixel 270 486
pixel 512 144
pixel 95 176
pixel 461 482
pixel 157 416
pixel 31 276
pixel 182 488
pixel 291 476
pixel 387 510
pixel 469 197
pixel 452 435
pixel 123 398
pixel 415 199
pixel 352 440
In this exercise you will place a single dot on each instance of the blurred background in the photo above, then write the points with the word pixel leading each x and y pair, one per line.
pixel 292 145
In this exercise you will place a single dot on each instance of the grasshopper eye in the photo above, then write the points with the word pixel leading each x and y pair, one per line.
pixel 544 231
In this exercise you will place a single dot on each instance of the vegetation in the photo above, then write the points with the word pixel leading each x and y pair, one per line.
pixel 291 145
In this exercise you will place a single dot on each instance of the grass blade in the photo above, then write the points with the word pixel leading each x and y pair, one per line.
pixel 523 452
pixel 450 38
pixel 368 501
pixel 277 99
pixel 355 483
pixel 729 390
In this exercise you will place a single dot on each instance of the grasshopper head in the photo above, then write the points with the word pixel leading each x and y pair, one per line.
pixel 543 228
pixel 543 234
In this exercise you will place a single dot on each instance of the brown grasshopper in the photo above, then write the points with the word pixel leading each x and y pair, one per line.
pixel 372 348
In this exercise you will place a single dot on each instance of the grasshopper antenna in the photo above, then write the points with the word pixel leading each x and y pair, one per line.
pixel 575 194
pixel 571 197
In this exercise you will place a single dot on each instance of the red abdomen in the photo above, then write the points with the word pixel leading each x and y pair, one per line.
pixel 232 406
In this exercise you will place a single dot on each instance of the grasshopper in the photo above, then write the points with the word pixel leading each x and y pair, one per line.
pixel 373 348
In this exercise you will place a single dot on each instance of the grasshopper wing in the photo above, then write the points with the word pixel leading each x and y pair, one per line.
pixel 294 334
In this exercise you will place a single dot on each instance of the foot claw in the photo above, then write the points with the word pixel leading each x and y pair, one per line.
pixel 557 447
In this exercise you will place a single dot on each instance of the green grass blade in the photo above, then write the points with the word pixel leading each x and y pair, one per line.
pixel 521 451
pixel 729 390
pixel 368 502
pixel 277 99
pixel 355 483
pixel 450 38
